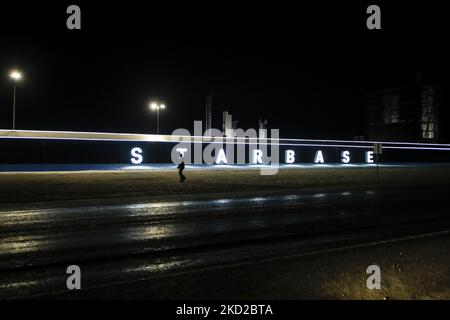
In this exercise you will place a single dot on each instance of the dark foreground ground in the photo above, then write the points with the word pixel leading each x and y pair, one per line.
pixel 226 234
pixel 411 268
pixel 50 187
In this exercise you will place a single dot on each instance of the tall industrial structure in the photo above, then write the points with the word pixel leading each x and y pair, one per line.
pixel 208 118
pixel 227 124
pixel 403 114
pixel 262 126
pixel 430 113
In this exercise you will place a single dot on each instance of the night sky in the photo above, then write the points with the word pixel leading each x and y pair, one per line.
pixel 304 68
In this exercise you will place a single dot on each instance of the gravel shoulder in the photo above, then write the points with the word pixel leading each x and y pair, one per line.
pixel 156 185
pixel 409 270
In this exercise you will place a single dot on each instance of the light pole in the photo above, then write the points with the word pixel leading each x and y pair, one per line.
pixel 154 106
pixel 15 76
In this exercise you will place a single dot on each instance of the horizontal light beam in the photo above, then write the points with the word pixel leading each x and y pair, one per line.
pixel 133 137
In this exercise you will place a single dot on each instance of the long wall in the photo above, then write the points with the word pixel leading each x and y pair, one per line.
pixel 43 147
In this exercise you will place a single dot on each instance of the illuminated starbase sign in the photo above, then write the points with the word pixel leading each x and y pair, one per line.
pixel 244 147
pixel 257 156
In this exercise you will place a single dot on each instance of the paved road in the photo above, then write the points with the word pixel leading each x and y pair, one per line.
pixel 116 244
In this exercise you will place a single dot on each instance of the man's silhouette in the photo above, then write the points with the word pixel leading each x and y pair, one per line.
pixel 180 171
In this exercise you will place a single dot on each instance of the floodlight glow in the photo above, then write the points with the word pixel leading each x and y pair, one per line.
pixel 15 75
pixel 162 106
pixel 153 106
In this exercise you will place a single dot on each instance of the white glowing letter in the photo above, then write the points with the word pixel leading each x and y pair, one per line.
pixel 182 151
pixel 345 156
pixel 290 156
pixel 221 157
pixel 369 156
pixel 136 154
pixel 257 156
pixel 319 157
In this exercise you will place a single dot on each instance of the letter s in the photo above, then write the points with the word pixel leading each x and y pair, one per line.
pixel 136 154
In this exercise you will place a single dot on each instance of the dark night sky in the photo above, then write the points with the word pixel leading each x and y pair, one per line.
pixel 302 67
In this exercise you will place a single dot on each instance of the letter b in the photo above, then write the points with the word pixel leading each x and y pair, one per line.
pixel 290 156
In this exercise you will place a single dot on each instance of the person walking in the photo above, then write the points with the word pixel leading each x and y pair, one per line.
pixel 180 171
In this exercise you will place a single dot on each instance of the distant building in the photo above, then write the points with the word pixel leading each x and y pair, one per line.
pixel 208 112
pixel 403 114
pixel 262 127
pixel 227 124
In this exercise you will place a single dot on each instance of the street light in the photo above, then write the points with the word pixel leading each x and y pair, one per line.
pixel 15 76
pixel 154 106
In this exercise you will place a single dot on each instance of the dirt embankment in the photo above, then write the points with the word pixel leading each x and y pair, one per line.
pixel 28 187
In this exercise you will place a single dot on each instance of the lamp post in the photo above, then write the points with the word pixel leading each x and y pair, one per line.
pixel 15 76
pixel 154 106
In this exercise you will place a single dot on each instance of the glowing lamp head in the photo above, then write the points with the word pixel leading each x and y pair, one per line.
pixel 156 106
pixel 15 75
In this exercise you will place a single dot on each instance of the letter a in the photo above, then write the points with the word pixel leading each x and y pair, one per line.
pixel 374 20
pixel 319 157
pixel 374 281
pixel 73 281
pixel 221 157
pixel 74 20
